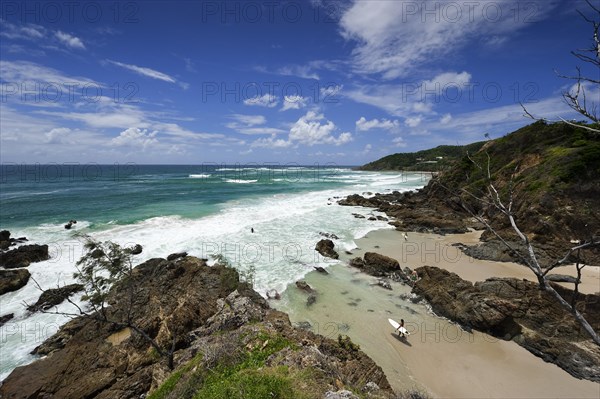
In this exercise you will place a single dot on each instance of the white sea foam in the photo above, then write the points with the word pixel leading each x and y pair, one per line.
pixel 239 181
pixel 281 249
pixel 200 176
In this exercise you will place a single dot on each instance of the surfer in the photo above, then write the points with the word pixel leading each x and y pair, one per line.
pixel 251 229
pixel 405 236
pixel 400 328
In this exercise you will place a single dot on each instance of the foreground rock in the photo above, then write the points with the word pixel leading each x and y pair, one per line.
pixel 517 310
pixel 7 242
pixel 23 256
pixel 12 280
pixel 7 317
pixel 223 333
pixel 325 248
pixel 54 296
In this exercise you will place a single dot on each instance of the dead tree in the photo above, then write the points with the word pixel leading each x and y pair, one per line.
pixel 576 98
pixel 492 197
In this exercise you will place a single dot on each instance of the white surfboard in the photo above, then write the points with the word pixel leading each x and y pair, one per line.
pixel 395 324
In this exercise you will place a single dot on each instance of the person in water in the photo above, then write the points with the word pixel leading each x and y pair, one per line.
pixel 251 229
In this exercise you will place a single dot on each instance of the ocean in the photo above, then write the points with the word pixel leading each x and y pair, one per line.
pixel 203 210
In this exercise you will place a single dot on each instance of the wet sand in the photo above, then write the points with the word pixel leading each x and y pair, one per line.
pixel 436 250
pixel 438 357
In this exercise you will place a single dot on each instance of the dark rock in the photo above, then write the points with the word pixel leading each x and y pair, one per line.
pixel 325 248
pixel 321 270
pixel 358 216
pixel 372 218
pixel 312 298
pixel 54 296
pixel 12 280
pixel 137 249
pixel 518 310
pixel 5 318
pixel 357 262
pixel 4 235
pixel 177 256
pixel 379 265
pixel 4 245
pixel 382 218
pixel 303 285
pixel 23 256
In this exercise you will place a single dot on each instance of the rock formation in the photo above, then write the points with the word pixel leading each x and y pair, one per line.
pixel 517 310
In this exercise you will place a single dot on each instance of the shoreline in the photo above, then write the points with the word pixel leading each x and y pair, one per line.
pixel 349 303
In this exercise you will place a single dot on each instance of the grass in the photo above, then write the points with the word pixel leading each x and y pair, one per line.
pixel 247 378
pixel 167 387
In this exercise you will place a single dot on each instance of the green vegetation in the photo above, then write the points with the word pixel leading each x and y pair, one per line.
pixel 543 157
pixel 434 159
pixel 243 375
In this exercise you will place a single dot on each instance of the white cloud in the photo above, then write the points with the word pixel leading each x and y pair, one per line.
pixel 396 38
pixel 294 102
pixel 363 125
pixel 250 124
pixel 413 121
pixel 247 120
pixel 23 32
pixel 446 119
pixel 21 72
pixel 399 142
pixel 58 135
pixel 150 73
pixel 412 98
pixel 69 40
pixel 309 130
pixel 266 100
pixel 135 137
pixel 367 149
pixel 271 142
pixel 301 71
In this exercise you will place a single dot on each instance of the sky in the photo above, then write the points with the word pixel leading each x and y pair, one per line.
pixel 300 81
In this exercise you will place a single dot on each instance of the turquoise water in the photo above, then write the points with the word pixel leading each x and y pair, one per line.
pixel 204 210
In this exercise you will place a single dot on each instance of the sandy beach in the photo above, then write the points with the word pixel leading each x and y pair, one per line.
pixel 438 357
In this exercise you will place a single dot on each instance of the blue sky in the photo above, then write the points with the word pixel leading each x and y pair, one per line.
pixel 319 81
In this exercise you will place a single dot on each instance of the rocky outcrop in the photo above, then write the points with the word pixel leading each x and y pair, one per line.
pixel 517 310
pixel 325 248
pixel 23 256
pixel 379 265
pixel 7 317
pixel 177 255
pixel 12 280
pixel 54 296
pixel 212 321
pixel 7 242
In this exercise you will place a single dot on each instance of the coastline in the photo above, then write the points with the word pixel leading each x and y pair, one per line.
pixel 474 364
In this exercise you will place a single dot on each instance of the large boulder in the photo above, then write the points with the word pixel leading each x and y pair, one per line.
pixel 518 310
pixel 23 256
pixel 54 296
pixel 12 280
pixel 379 265
pixel 325 248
